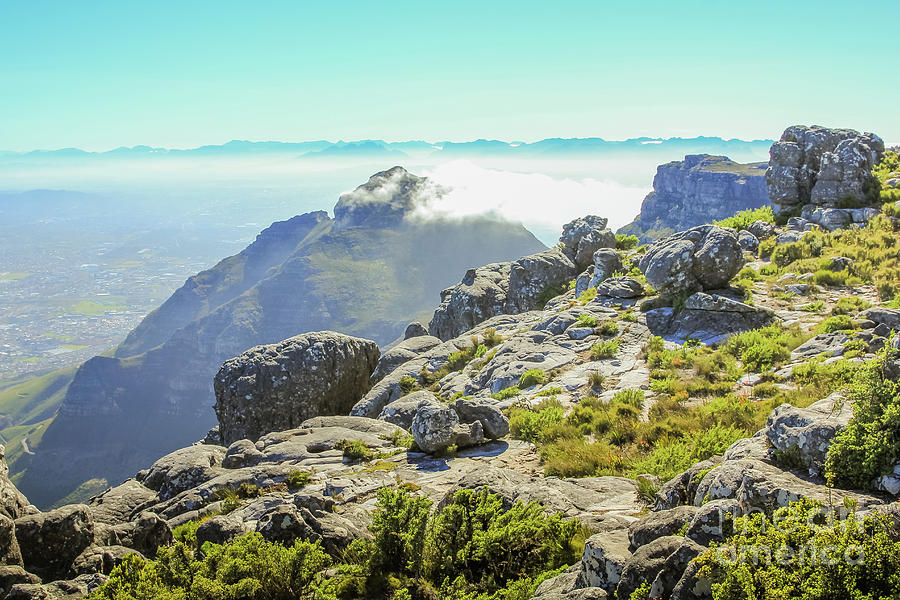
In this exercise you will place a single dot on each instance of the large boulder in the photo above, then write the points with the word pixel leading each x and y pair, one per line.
pixel 51 541
pixel 493 422
pixel 436 427
pixel 120 503
pixel 605 556
pixel 803 435
pixel 702 258
pixel 659 524
pixel 821 166
pixel 531 277
pixel 709 318
pixel 9 546
pixel 13 503
pixel 403 352
pixel 480 295
pixel 276 387
pixel 584 236
pixel 606 262
pixel 183 469
pixel 101 559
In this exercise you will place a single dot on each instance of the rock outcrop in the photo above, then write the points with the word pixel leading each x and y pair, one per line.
pixel 699 259
pixel 823 167
pixel 698 190
pixel 525 284
pixel 277 387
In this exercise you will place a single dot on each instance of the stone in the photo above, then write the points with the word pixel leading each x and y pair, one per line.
pixel 276 387
pixel 583 236
pixel 494 423
pixel 890 317
pixel 219 529
pixel 839 263
pixel 831 218
pixel 606 262
pixel 823 344
pixel 564 587
pixel 691 586
pixel 806 433
pixel 120 503
pixel 101 559
pixel 748 241
pixel 242 453
pixel 10 554
pixel 603 560
pixel 583 281
pixel 414 329
pixel 821 166
pixel 713 521
pixel 51 541
pixel 403 352
pixel 673 569
pixel 699 259
pixel 532 276
pixel 646 564
pixel 13 503
pixel 761 230
pixel 436 427
pixel 480 295
pixel 620 287
pixel 11 575
pixel 789 237
pixel 682 488
pixel 659 524
pixel 401 412
pixel 184 469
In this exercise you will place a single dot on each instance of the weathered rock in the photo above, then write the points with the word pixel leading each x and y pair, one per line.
pixel 50 541
pixel 480 295
pixel 492 420
pixel 620 287
pixel 761 230
pixel 414 329
pixel 403 352
pixel 436 427
pixel 821 166
pixel 583 236
pixel 606 262
pixel 212 437
pixel 682 488
pixel 13 503
pixel 710 318
pixel 889 317
pixel 691 586
pixel 839 263
pixel 673 569
pixel 101 559
pixel 805 434
pixel 219 529
pixel 276 387
pixel 699 259
pixel 827 344
pixel 532 276
pixel 184 469
pixel 11 575
pixel 120 503
pixel 713 521
pixel 9 546
pixel 789 237
pixel 748 241
pixel 659 524
pixel 565 587
pixel 583 281
pixel 145 533
pixel 646 563
pixel 242 453
pixel 604 559
pixel 402 412
pixel 70 589
pixel 700 189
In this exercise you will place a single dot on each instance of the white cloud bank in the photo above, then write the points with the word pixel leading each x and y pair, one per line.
pixel 542 203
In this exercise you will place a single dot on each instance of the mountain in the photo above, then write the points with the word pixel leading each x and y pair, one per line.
pixel 369 272
pixel 699 189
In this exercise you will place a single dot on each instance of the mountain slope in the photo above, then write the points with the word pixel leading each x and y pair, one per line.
pixel 369 273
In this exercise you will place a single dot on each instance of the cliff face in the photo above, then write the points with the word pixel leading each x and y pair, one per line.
pixel 697 190
pixel 368 277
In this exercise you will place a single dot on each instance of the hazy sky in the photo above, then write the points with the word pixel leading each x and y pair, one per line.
pixel 99 74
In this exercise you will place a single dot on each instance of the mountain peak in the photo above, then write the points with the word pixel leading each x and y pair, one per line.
pixel 383 201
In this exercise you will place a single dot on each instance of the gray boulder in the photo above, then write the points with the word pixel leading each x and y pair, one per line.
pixel 51 541
pixel 606 262
pixel 583 236
pixel 276 387
pixel 673 568
pixel 480 295
pixel 13 503
pixel 620 287
pixel 761 230
pixel 660 524
pixel 436 427
pixel 402 412
pixel 403 352
pixel 748 241
pixel 414 329
pixel 805 434
pixel 242 453
pixel 821 166
pixel 890 317
pixel 604 558
pixel 699 259
pixel 532 276
pixel 183 469
pixel 10 554
pixel 713 521
pixel 789 237
pixel 120 503
pixel 101 559
pixel 493 422
pixel 647 563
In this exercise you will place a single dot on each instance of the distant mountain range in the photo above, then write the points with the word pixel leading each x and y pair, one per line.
pixel 419 148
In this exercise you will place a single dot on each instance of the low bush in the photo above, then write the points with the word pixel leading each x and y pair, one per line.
pixel 510 392
pixel 761 349
pixel 532 377
pixel 835 323
pixel 627 241
pixel 586 320
pixel 744 218
pixel 849 305
pixel 608 327
pixel 604 350
pixel 355 450
pixel 297 479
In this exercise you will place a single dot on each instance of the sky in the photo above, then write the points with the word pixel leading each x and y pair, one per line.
pixel 100 74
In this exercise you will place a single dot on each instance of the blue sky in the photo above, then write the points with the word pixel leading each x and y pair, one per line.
pixel 100 74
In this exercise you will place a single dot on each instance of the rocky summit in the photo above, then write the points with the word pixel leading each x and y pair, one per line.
pixel 368 273
pixel 597 420
pixel 698 190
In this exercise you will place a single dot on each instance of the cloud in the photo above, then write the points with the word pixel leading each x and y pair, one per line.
pixel 541 202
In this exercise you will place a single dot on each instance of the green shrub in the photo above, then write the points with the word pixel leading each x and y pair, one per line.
pixel 510 392
pixel 627 241
pixel 534 425
pixel 849 305
pixel 549 293
pixel 408 384
pixel 774 557
pixel 744 218
pixel 813 307
pixel 831 278
pixel 835 323
pixel 603 350
pixel 870 444
pixel 532 377
pixel 355 450
pixel 608 327
pixel 552 391
pixel 760 349
pixel 586 320
pixel 297 479
pixel 633 397
pixel 766 247
pixel 629 316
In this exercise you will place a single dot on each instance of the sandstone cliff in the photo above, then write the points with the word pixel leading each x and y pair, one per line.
pixel 698 190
